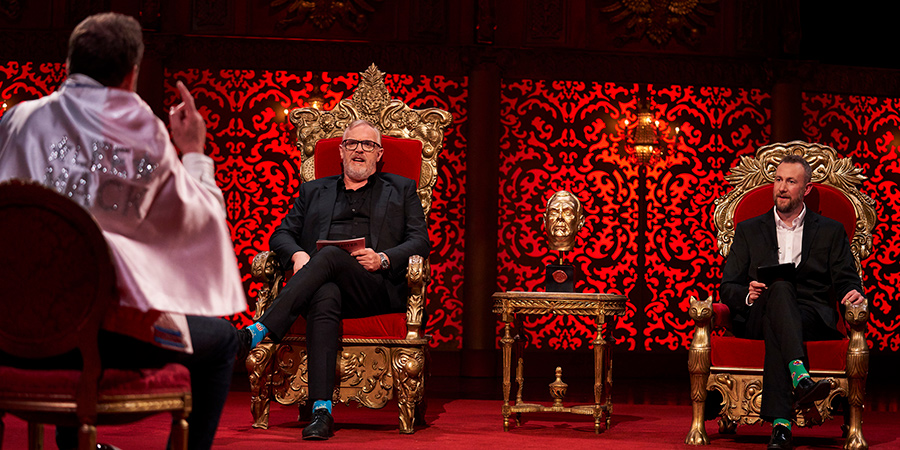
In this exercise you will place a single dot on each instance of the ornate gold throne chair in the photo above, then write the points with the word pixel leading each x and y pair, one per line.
pixel 382 357
pixel 730 368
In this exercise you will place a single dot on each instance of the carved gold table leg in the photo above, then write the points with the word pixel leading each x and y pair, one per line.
pixel 506 342
pixel 520 381
pixel 601 376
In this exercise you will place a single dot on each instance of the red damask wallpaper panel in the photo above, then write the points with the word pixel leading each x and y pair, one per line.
pixel 649 234
pixel 257 165
pixel 648 231
pixel 867 129
pixel 27 81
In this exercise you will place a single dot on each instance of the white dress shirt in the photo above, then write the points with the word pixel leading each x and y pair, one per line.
pixel 790 241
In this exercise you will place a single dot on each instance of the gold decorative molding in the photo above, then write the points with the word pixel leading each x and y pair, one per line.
pixel 583 304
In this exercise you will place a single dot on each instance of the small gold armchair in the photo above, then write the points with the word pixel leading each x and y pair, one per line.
pixel 730 367
pixel 46 319
pixel 383 356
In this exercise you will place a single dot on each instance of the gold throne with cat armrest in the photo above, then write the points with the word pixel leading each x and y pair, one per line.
pixel 726 371
pixel 382 357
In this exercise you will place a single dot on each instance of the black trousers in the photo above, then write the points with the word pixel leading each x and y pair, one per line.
pixel 784 323
pixel 331 286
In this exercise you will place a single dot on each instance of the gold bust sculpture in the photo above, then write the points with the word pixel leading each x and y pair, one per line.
pixel 563 218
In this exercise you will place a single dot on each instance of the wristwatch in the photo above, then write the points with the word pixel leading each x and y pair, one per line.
pixel 385 264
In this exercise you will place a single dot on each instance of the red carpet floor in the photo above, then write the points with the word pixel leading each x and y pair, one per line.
pixel 464 424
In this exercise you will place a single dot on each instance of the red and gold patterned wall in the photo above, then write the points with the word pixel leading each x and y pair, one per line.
pixel 648 232
pixel 648 235
pixel 868 130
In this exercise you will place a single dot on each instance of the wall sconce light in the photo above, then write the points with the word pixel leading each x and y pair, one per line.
pixel 315 103
pixel 316 99
pixel 645 139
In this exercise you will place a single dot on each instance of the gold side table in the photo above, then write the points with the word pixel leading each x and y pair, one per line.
pixel 599 306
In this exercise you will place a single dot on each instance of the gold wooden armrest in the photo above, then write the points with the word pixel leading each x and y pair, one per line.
pixel 857 317
pixel 267 270
pixel 417 274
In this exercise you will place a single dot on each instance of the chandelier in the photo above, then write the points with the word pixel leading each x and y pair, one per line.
pixel 646 140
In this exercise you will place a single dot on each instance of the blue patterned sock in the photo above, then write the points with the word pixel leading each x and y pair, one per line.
pixel 322 404
pixel 257 332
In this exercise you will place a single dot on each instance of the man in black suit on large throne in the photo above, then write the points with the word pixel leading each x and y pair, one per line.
pixel 793 309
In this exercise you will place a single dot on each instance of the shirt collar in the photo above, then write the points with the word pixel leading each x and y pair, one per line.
pixel 82 80
pixel 371 181
pixel 798 221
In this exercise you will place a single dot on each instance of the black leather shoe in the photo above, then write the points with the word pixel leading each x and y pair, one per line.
pixel 321 427
pixel 244 338
pixel 781 438
pixel 808 391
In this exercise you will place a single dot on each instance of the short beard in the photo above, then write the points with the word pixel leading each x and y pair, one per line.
pixel 791 206
pixel 357 174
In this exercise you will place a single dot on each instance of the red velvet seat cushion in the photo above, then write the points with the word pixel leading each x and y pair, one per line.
pixel 401 157
pixel 730 351
pixel 385 326
pixel 32 383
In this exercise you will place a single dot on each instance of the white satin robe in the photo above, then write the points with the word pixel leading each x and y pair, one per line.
pixel 166 227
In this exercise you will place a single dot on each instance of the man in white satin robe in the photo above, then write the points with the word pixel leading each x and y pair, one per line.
pixel 95 141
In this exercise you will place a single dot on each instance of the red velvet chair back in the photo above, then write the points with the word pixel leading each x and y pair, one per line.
pixel 401 157
pixel 58 278
pixel 823 199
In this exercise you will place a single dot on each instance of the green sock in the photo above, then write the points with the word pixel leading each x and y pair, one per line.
pixel 798 372
pixel 783 422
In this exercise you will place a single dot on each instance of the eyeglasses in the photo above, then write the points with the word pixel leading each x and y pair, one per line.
pixel 367 145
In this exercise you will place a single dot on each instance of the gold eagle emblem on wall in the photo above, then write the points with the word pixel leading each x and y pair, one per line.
pixel 660 20
pixel 323 13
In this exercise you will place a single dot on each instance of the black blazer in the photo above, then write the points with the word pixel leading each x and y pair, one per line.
pixel 826 272
pixel 397 226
